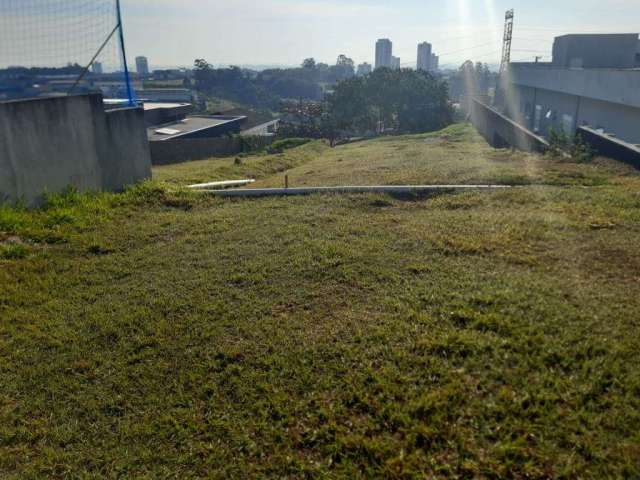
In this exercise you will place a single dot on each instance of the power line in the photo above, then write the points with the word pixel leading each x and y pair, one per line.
pixel 476 57
pixel 468 48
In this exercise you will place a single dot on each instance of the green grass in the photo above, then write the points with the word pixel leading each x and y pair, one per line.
pixel 253 166
pixel 471 335
pixel 455 155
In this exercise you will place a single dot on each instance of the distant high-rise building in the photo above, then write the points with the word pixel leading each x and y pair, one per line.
pixel 96 68
pixel 425 56
pixel 364 69
pixel 142 65
pixel 395 63
pixel 435 63
pixel 384 52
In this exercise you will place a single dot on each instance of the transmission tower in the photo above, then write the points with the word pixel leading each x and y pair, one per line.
pixel 508 37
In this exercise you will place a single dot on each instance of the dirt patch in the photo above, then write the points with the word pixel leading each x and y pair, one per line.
pixel 6 239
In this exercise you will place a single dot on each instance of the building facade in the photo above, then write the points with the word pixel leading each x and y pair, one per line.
pixel 424 56
pixel 435 63
pixel 592 81
pixel 384 53
pixel 395 63
pixel 597 51
pixel 142 65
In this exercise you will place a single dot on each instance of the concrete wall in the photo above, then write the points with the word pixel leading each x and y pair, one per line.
pixel 501 132
pixel 124 148
pixel 568 112
pixel 595 51
pixel 608 85
pixel 47 145
pixel 611 147
pixel 185 150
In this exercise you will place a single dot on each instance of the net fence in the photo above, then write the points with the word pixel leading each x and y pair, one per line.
pixel 61 47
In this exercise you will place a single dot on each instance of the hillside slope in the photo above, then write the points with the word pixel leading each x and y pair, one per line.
pixel 166 334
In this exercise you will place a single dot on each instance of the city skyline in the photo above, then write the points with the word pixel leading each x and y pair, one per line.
pixel 290 31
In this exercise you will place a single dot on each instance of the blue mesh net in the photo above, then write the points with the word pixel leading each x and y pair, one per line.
pixel 61 47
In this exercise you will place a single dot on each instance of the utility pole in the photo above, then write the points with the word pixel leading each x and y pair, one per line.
pixel 508 38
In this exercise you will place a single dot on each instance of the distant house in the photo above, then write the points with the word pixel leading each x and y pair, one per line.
pixel 172 95
pixel 176 136
pixel 196 126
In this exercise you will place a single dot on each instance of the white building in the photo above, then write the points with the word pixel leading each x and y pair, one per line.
pixel 424 56
pixel 142 65
pixel 384 53
pixel 435 63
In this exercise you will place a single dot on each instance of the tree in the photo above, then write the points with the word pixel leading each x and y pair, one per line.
pixel 231 83
pixel 406 101
pixel 344 68
pixel 309 64
pixel 344 61
pixel 201 65
pixel 471 80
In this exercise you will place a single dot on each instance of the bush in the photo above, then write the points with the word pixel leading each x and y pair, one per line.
pixel 575 149
pixel 581 151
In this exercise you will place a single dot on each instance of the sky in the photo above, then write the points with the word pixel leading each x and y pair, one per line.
pixel 284 32
pixel 174 33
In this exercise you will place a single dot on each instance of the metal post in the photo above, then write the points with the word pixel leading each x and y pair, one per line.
pixel 506 58
pixel 508 38
pixel 130 93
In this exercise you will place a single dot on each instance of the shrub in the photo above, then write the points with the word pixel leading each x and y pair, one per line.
pixel 574 149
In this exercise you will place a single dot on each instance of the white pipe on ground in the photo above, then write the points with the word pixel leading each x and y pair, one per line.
pixel 223 184
pixel 398 189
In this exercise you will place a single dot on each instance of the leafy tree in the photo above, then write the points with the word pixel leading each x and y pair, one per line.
pixel 471 80
pixel 231 83
pixel 309 64
pixel 405 101
pixel 344 68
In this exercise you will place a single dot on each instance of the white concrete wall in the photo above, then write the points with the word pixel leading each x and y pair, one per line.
pixel 621 120
pixel 125 156
pixel 47 145
pixel 608 85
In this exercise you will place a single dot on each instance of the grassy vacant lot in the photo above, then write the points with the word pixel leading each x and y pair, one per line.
pixel 161 334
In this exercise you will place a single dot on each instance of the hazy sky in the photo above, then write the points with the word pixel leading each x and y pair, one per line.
pixel 174 32
pixel 268 32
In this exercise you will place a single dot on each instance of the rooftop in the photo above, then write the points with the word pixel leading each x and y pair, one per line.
pixel 190 124
pixel 160 105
